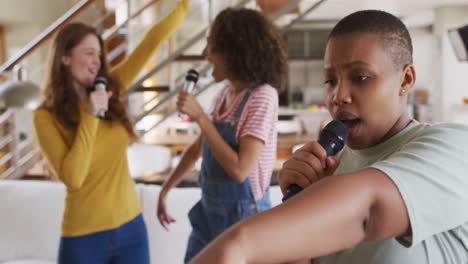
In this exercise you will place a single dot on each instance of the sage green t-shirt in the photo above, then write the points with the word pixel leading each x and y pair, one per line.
pixel 429 166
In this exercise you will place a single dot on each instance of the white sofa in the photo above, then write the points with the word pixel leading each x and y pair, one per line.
pixel 141 159
pixel 31 211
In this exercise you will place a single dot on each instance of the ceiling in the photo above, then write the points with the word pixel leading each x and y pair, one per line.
pixel 329 10
pixel 336 9
pixel 31 11
pixel 413 12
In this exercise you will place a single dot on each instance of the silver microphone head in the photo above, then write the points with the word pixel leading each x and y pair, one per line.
pixel 190 80
pixel 100 83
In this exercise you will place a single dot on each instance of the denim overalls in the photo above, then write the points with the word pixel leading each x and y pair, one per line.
pixel 224 202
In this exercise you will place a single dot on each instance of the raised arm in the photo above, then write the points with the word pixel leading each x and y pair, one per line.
pixel 69 162
pixel 128 70
pixel 331 215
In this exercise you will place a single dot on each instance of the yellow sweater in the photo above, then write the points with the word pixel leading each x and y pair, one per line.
pixel 92 161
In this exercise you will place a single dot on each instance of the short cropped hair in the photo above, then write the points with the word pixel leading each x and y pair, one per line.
pixel 392 32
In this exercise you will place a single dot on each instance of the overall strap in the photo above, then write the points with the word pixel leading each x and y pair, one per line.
pixel 242 104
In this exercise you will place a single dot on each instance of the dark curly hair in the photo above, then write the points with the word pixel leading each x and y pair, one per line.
pixel 251 45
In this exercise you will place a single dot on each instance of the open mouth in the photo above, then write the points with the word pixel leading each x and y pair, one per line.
pixel 92 71
pixel 349 120
pixel 350 123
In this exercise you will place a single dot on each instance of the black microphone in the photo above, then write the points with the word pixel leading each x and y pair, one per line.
pixel 191 79
pixel 332 138
pixel 100 84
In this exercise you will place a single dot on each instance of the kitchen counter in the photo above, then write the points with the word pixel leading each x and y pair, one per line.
pixel 177 142
pixel 190 180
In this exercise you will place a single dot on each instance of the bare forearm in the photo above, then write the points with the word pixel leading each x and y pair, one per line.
pixel 224 154
pixel 330 215
pixel 187 161
pixel 326 217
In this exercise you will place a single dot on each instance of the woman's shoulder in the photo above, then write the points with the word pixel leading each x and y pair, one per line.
pixel 42 112
pixel 441 128
pixel 266 91
pixel 266 88
pixel 448 133
pixel 43 117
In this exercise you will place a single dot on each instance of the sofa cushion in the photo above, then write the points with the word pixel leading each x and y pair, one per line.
pixel 169 246
pixel 146 159
pixel 31 212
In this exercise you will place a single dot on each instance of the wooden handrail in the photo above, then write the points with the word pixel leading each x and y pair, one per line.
pixel 112 31
pixel 46 34
pixel 115 52
pixel 6 116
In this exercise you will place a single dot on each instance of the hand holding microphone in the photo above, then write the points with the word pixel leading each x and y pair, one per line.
pixel 99 98
pixel 311 162
pixel 186 102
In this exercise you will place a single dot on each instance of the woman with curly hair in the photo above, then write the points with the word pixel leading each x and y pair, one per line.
pixel 87 151
pixel 238 139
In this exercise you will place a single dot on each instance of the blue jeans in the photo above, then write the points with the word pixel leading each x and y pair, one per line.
pixel 125 244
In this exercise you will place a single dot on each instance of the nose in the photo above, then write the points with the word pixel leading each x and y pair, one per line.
pixel 205 52
pixel 342 94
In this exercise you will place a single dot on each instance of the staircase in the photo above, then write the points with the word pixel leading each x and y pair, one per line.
pixel 150 98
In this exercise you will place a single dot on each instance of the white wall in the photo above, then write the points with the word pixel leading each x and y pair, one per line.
pixel 25 19
pixel 453 83
pixel 307 76
pixel 424 55
pixel 31 11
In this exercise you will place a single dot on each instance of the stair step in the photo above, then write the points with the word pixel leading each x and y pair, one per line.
pixel 190 58
pixel 157 88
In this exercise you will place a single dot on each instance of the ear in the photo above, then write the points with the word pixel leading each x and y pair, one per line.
pixel 66 60
pixel 408 79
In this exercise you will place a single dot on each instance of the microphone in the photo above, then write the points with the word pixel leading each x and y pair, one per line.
pixel 191 79
pixel 332 138
pixel 100 84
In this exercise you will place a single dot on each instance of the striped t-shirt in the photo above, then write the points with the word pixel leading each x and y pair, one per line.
pixel 258 119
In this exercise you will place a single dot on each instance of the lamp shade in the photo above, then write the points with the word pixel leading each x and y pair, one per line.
pixel 459 39
pixel 19 93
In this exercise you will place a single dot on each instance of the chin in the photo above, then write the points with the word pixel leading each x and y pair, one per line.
pixel 217 80
pixel 89 81
pixel 215 77
pixel 86 83
pixel 356 143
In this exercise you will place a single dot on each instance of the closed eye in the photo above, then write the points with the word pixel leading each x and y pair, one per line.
pixel 329 83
